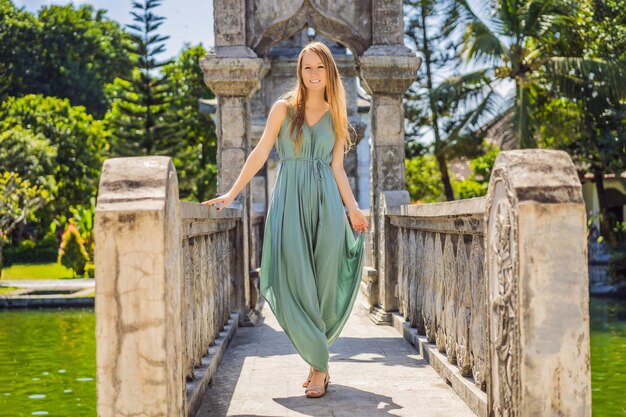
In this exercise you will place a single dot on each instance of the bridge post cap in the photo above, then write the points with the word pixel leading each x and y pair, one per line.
pixel 136 183
pixel 233 70
pixel 388 69
pixel 542 175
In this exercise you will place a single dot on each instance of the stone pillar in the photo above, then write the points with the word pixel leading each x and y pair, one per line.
pixel 234 73
pixel 386 71
pixel 537 287
pixel 138 289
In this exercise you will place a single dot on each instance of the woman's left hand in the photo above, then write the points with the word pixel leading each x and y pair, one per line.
pixel 358 220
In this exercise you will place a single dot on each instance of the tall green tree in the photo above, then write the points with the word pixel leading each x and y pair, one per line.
pixel 53 144
pixel 520 41
pixel 451 108
pixel 141 120
pixel 198 171
pixel 587 106
pixel 64 51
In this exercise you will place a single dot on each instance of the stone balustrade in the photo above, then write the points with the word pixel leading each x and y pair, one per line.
pixel 495 289
pixel 440 278
pixel 168 276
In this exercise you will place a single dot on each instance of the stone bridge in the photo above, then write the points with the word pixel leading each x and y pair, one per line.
pixel 472 307
pixel 489 293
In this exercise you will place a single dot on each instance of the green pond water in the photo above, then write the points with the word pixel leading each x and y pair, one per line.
pixel 47 361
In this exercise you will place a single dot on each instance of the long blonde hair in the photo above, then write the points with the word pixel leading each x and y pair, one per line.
pixel 334 94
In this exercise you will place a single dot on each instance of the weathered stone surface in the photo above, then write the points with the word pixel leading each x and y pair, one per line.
pixel 387 22
pixel 478 320
pixel 463 312
pixel 163 293
pixel 388 69
pixel 233 71
pixel 138 289
pixel 387 273
pixel 229 22
pixel 537 282
pixel 451 278
pixel 428 312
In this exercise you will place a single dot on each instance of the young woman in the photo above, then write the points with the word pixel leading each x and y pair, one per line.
pixel 311 262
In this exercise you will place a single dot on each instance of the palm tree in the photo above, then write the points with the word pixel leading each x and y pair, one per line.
pixel 454 106
pixel 518 42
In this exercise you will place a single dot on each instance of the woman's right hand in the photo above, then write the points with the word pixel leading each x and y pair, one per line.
pixel 223 200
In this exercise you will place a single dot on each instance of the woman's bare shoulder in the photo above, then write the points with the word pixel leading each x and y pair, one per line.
pixel 281 105
pixel 278 111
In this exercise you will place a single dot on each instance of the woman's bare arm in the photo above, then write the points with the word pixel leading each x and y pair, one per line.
pixel 259 154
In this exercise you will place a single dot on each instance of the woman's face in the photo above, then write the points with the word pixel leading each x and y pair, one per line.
pixel 313 72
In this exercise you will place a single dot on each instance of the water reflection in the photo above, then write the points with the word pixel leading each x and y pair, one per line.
pixel 608 356
pixel 47 364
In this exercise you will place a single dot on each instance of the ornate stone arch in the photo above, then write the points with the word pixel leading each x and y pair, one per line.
pixel 346 32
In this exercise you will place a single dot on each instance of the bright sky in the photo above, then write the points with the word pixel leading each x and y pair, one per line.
pixel 185 20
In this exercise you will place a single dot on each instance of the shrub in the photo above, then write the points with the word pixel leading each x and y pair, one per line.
pixel 90 270
pixel 72 252
pixel 28 251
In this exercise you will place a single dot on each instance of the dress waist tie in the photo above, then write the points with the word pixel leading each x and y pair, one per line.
pixel 317 166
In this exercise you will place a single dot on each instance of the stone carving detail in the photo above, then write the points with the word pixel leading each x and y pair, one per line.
pixel 503 306
pixel 428 313
pixel 206 297
pixel 391 167
pixel 439 287
pixel 477 335
pixel 387 18
pixel 229 22
pixel 412 277
pixel 403 273
pixel 464 314
pixel 450 298
pixel 161 294
pixel 501 285
pixel 420 282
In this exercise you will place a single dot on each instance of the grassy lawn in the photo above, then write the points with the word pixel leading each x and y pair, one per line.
pixel 37 271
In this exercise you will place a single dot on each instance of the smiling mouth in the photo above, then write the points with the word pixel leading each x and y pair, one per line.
pixel 314 81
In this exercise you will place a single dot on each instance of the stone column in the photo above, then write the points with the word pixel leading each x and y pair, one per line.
pixel 234 73
pixel 386 72
pixel 138 289
pixel 537 287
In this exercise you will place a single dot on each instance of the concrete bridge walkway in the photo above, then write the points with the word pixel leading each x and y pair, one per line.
pixel 374 372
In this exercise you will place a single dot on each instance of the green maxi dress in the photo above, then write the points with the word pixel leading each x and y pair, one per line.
pixel 311 261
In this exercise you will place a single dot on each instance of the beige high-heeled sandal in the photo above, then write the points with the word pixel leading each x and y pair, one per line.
pixel 308 378
pixel 321 390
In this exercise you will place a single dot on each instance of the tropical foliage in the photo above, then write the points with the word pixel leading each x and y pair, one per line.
pixel 77 88
pixel 18 201
pixel 64 51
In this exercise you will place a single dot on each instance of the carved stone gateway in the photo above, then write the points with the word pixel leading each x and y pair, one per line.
pixel 537 287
